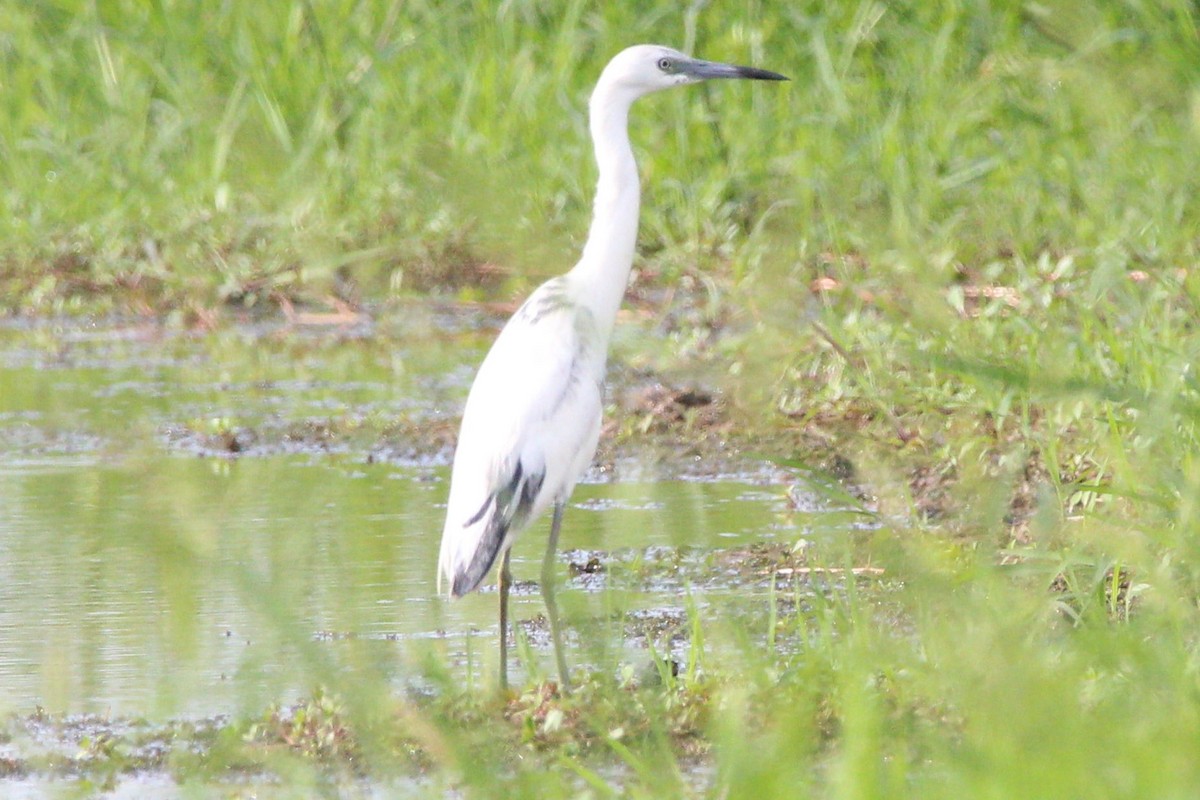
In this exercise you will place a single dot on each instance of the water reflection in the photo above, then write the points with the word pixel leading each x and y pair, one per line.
pixel 157 584
pixel 137 580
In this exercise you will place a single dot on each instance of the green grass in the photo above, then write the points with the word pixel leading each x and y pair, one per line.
pixel 988 209
pixel 196 157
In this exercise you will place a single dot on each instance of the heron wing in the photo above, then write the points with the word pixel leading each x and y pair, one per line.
pixel 529 428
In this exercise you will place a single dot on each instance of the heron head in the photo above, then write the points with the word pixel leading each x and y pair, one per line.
pixel 646 68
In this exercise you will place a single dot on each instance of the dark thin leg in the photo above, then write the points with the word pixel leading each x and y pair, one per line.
pixel 548 594
pixel 505 583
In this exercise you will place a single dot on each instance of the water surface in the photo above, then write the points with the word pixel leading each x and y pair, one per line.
pixel 202 524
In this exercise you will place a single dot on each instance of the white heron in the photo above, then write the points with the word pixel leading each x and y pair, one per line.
pixel 532 418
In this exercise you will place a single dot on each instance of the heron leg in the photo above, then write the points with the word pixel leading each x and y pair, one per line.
pixel 505 583
pixel 548 595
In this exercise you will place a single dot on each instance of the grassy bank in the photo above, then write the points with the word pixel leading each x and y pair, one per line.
pixel 951 266
pixel 182 153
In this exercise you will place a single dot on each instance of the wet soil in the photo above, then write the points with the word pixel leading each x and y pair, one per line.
pixel 115 752
pixel 656 427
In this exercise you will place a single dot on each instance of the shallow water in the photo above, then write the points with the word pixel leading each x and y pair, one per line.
pixel 146 571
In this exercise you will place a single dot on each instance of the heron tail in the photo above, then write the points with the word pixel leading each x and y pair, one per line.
pixel 503 513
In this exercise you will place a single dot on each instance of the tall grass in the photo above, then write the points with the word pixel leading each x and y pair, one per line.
pixel 239 146
pixel 1007 300
pixel 989 208
pixel 236 144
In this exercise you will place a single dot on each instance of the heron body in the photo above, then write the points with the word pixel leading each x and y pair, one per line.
pixel 529 430
pixel 532 418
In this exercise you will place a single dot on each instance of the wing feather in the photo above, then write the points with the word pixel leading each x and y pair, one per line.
pixel 529 428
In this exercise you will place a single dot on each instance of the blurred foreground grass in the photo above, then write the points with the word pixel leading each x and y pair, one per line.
pixel 953 262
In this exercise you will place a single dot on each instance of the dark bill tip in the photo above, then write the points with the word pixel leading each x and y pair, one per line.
pixel 756 74
pixel 714 69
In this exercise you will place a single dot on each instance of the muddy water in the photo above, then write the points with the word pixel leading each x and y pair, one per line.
pixel 201 524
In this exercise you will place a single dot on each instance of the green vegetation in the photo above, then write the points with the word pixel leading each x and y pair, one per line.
pixel 951 265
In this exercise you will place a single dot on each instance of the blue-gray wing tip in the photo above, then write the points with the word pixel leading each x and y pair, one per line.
pixel 468 580
pixel 464 584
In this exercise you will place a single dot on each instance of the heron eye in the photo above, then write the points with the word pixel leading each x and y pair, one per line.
pixel 664 64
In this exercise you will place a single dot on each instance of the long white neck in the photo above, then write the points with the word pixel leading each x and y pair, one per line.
pixel 603 269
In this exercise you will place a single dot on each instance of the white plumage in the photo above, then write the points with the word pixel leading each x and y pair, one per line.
pixel 530 427
pixel 532 418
